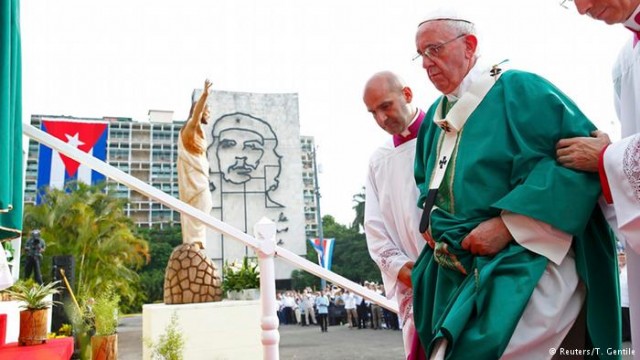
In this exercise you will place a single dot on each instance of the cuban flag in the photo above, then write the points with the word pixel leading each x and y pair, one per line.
pixel 324 249
pixel 55 169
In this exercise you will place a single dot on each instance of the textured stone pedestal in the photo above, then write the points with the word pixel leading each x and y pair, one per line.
pixel 191 277
pixel 212 331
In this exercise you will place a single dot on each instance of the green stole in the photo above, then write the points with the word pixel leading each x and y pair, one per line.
pixel 505 160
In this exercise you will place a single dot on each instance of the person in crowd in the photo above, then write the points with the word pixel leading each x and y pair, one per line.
pixel 308 301
pixel 288 306
pixel 624 297
pixel 297 309
pixel 322 305
pixel 349 299
pixel 362 308
pixel 280 309
pixel 376 310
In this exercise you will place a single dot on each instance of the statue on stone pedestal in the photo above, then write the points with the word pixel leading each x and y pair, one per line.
pixel 193 169
pixel 191 277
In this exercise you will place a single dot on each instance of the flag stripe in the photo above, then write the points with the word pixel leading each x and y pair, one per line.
pixel 325 251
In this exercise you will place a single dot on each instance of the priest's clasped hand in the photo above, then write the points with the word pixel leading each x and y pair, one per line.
pixel 582 153
pixel 404 275
pixel 488 238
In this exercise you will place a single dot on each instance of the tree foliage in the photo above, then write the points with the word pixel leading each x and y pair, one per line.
pixel 358 207
pixel 89 223
pixel 301 279
pixel 351 257
pixel 162 241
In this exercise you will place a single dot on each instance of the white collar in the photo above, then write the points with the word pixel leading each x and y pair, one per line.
pixel 469 79
pixel 406 132
pixel 633 22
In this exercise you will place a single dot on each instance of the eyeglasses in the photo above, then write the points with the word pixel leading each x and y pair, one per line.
pixel 432 51
pixel 563 2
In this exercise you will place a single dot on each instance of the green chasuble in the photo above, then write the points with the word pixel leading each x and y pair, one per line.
pixel 505 160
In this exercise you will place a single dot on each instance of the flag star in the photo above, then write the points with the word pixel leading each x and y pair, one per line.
pixel 74 140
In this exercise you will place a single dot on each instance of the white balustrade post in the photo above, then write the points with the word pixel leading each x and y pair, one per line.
pixel 265 233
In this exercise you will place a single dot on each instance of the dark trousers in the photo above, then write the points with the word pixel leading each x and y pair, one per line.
pixel 289 317
pixel 324 323
pixel 32 264
pixel 626 325
pixel 363 315
pixel 281 317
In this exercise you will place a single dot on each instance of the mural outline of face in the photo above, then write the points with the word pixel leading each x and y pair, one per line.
pixel 243 151
pixel 239 152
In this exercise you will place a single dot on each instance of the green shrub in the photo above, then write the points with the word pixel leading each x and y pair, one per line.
pixel 105 312
pixel 241 276
pixel 170 345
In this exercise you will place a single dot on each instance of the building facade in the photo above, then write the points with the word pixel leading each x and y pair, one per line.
pixel 309 180
pixel 148 151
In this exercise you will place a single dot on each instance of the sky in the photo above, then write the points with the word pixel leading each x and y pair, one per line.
pixel 125 57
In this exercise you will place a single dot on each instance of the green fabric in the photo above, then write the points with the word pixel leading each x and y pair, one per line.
pixel 505 160
pixel 11 196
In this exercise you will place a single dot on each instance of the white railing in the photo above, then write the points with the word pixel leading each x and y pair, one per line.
pixel 263 243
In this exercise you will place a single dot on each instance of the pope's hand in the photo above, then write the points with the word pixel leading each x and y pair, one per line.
pixel 488 238
pixel 427 237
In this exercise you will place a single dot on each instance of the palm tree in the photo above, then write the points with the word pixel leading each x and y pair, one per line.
pixel 359 199
pixel 89 223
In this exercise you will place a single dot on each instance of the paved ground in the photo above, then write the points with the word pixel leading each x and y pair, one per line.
pixel 130 338
pixel 296 342
pixel 301 342
pixel 340 342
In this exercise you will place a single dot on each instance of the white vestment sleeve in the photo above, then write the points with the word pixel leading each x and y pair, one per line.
pixel 626 82
pixel 538 237
pixel 384 252
pixel 622 166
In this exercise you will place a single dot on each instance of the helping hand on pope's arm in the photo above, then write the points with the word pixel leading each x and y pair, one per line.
pixel 582 153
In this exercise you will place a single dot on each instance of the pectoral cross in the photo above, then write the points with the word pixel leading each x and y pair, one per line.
pixel 495 70
pixel 443 162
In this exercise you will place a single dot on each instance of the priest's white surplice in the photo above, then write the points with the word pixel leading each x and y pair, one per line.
pixel 391 222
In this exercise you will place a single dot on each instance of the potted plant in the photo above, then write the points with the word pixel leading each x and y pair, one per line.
pixel 242 280
pixel 104 344
pixel 36 300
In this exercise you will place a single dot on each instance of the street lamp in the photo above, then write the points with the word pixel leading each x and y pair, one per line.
pixel 316 190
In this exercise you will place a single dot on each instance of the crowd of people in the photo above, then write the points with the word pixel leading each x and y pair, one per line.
pixel 334 306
